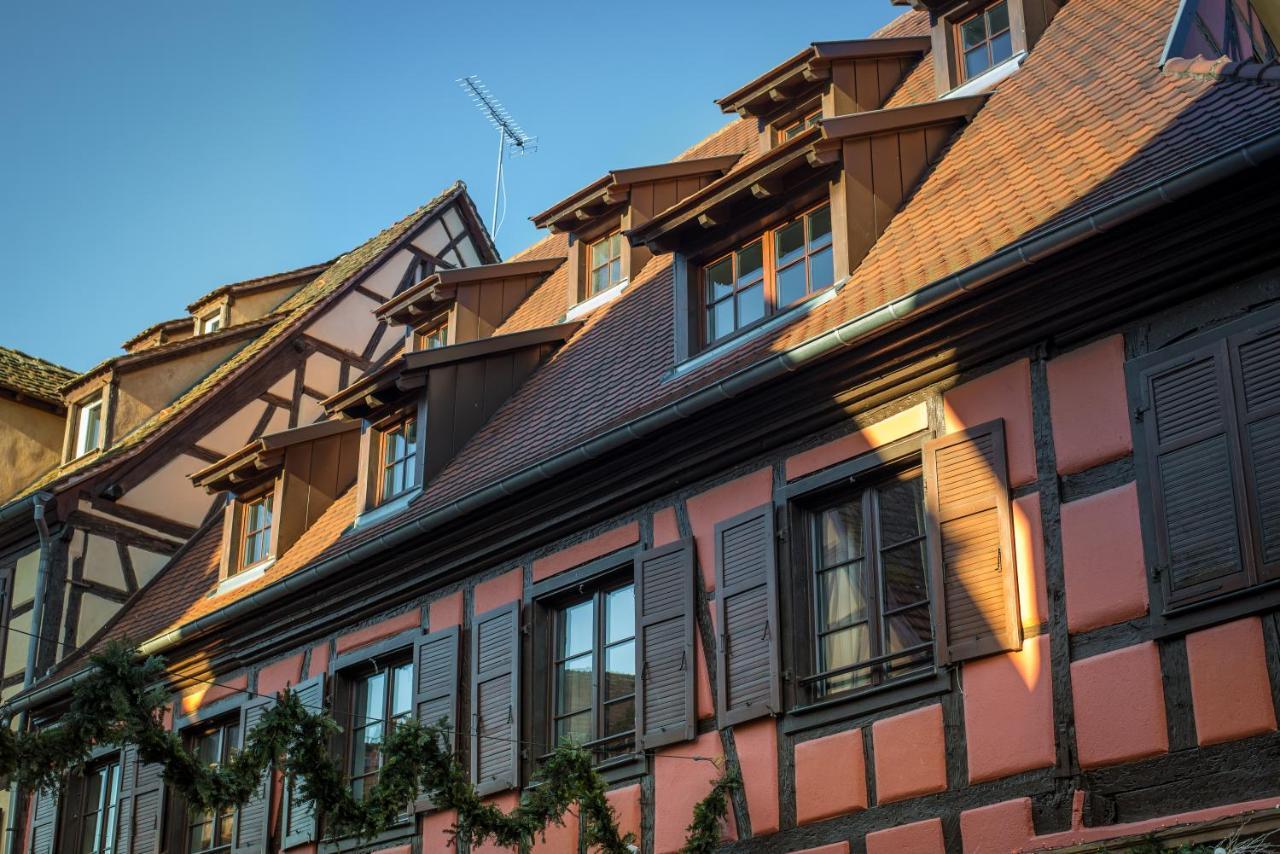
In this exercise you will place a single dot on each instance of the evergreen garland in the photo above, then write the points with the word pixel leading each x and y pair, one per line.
pixel 123 701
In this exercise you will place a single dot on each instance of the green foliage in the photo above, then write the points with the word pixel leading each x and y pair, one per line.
pixel 123 701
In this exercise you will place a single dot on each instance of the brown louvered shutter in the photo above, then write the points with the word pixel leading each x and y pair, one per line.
pixel 251 822
pixel 1256 368
pixel 747 675
pixel 147 820
pixel 665 709
pixel 298 816
pixel 495 699
pixel 435 688
pixel 44 822
pixel 975 583
pixel 1190 467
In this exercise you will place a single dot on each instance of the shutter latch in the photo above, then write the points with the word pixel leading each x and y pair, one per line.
pixel 1157 570
pixel 1139 411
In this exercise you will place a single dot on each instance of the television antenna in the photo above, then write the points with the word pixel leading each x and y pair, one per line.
pixel 511 139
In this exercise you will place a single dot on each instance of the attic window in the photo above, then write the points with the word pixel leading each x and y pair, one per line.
pixel 211 323
pixel 255 531
pixel 88 426
pixel 985 40
pixel 432 337
pixel 398 458
pixel 799 126
pixel 606 264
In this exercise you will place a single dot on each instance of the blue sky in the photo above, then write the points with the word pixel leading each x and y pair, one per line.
pixel 154 150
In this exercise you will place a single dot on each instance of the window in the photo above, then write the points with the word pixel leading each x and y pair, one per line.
pixel 799 126
pixel 605 269
pixel 88 435
pixel 255 531
pixel 768 274
pixel 433 337
pixel 594 678
pixel 99 797
pixel 866 578
pixel 211 323
pixel 381 700
pixel 985 40
pixel 399 458
pixel 209 831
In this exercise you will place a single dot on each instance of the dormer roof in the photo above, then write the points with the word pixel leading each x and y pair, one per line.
pixel 33 377
pixel 262 283
pixel 427 296
pixel 262 458
pixel 606 195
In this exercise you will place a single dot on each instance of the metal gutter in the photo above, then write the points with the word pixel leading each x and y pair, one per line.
pixel 1009 260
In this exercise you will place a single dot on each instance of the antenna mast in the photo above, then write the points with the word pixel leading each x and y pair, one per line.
pixel 511 137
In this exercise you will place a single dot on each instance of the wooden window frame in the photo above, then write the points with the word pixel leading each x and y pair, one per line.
pixel 233 529
pixel 588 286
pixel 245 508
pixel 182 818
pixel 214 318
pixel 423 336
pixel 76 829
pixel 355 676
pixel 409 461
pixel 769 275
pixel 957 38
pixel 98 401
pixel 791 128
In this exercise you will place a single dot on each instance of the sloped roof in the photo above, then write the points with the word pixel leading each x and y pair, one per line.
pixel 32 376
pixel 290 313
pixel 1088 119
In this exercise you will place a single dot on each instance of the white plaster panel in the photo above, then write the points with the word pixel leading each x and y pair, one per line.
pixel 283 387
pixel 94 613
pixel 102 562
pixel 470 256
pixel 454 221
pixel 309 410
pixel 432 239
pixel 279 421
pixel 146 564
pixel 233 432
pixel 322 373
pixel 169 494
pixel 348 322
pixel 386 278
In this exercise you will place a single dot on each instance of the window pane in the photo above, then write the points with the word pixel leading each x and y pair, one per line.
pixel 720 320
pixel 901 511
pixel 719 279
pixel 600 279
pixel 789 242
pixel 620 670
pixel 792 284
pixel 1001 47
pixel 620 717
pixel 370 699
pixel 615 271
pixel 578 629
pixel 840 534
pixel 975 61
pixel 201 836
pixel 751 262
pixel 842 598
pixel 573 685
pixel 998 18
pixel 365 751
pixel 750 305
pixel 402 692
pixel 620 614
pixel 822 271
pixel 225 825
pixel 576 728
pixel 904 578
pixel 599 253
pixel 820 226
pixel 906 630
pixel 973 32
pixel 841 649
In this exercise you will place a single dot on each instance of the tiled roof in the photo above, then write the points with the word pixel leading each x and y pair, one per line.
pixel 291 312
pixel 1089 118
pixel 33 376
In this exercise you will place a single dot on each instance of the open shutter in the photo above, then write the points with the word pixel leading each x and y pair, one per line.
pixel 252 821
pixel 1189 461
pixel 747 674
pixel 435 686
pixel 495 699
pixel 975 582
pixel 124 803
pixel 665 709
pixel 44 822
pixel 1256 370
pixel 299 816
pixel 147 820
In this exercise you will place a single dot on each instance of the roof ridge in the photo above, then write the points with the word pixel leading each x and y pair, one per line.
pixel 24 354
pixel 1223 68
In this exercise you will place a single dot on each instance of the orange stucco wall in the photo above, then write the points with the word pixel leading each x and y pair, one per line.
pixel 831 776
pixel 1119 706
pixel 1230 688
pixel 910 755
pixel 1102 559
pixel 1088 405
pixel 580 553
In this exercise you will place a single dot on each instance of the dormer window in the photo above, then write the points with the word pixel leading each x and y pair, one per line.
pixel 399 458
pixel 985 40
pixel 88 427
pixel 211 323
pixel 255 530
pixel 432 337
pixel 606 263
pixel 799 126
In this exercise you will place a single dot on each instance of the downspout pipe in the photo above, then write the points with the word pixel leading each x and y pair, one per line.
pixel 40 512
pixel 1011 259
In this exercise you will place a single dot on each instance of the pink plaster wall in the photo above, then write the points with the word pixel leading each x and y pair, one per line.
pixel 1003 393
pixel 206 693
pixel 1028 545
pixel 319 660
pixel 626 805
pixel 757 744
pixel 445 612
pixel 1230 687
pixel 831 776
pixel 891 429
pixel 1088 405
pixel 910 755
pixel 580 553
pixel 379 630
pixel 1119 705
pixel 998 828
pixel 1008 711
pixel 560 838
pixel 920 837
pixel 280 674
pixel 1105 574
pixel 505 802
pixel 833 848
pixel 435 832
pixel 720 503
pixel 507 587
pixel 678 785
pixel 665 528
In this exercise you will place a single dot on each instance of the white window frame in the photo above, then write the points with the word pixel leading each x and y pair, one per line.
pixel 80 446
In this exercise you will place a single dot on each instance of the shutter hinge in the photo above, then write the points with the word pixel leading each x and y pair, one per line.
pixel 781 533
pixel 1157 570
pixel 1139 411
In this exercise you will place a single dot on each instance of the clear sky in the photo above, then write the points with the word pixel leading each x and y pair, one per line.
pixel 150 151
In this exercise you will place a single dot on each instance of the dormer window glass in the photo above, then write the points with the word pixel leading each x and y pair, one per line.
pixel 799 126
pixel 786 265
pixel 211 323
pixel 606 263
pixel 88 434
pixel 255 531
pixel 985 40
pixel 433 337
pixel 399 458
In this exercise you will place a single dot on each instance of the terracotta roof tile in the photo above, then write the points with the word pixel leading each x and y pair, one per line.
pixel 33 376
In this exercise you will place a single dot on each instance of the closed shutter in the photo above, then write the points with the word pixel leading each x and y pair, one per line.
pixel 124 804
pixel 44 822
pixel 975 583
pixel 1190 464
pixel 299 816
pixel 70 812
pixel 747 618
pixel 495 699
pixel 665 626
pixel 1256 364
pixel 435 686
pixel 148 808
pixel 252 821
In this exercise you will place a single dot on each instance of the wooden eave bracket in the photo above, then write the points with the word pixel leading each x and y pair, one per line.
pixel 262 457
